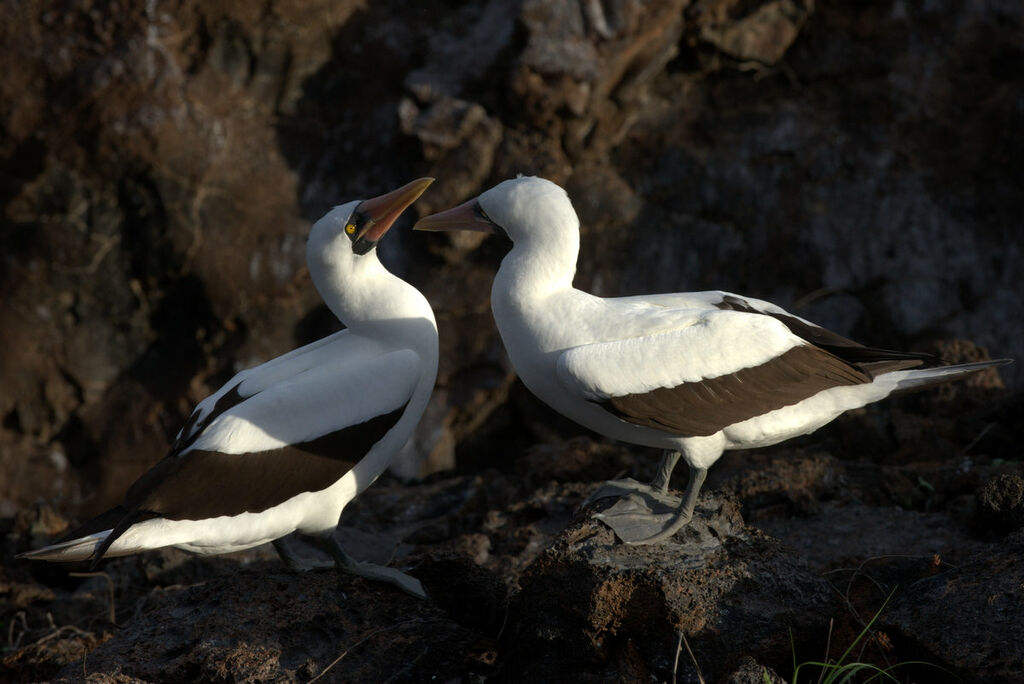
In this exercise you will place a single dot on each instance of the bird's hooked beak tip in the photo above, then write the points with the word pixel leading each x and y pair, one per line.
pixel 466 216
pixel 384 210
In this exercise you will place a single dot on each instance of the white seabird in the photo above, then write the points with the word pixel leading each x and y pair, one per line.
pixel 284 446
pixel 694 373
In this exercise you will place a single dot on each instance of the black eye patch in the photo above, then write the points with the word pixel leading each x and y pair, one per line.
pixel 355 224
pixel 479 213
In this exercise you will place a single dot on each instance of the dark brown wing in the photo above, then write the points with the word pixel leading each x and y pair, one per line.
pixel 208 484
pixel 704 408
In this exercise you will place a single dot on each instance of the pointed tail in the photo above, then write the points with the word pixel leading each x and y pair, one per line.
pixel 910 380
pixel 81 548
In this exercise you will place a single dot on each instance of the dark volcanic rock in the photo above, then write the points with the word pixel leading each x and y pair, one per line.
pixel 752 672
pixel 1001 504
pixel 259 625
pixel 471 594
pixel 760 31
pixel 838 534
pixel 593 609
pixel 586 65
pixel 968 619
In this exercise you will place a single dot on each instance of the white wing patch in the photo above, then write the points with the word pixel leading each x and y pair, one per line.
pixel 252 381
pixel 327 397
pixel 715 343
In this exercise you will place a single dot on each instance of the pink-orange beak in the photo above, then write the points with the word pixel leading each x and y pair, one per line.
pixel 466 216
pixel 382 211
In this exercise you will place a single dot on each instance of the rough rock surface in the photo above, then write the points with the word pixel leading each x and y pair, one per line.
pixel 592 608
pixel 1001 504
pixel 968 619
pixel 160 164
pixel 262 624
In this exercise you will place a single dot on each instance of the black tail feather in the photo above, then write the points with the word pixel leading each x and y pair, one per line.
pixel 129 518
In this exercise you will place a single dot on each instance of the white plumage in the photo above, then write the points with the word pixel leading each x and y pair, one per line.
pixel 693 373
pixel 284 446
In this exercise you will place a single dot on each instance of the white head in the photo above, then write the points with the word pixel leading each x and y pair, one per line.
pixel 534 213
pixel 328 239
pixel 530 209
pixel 341 251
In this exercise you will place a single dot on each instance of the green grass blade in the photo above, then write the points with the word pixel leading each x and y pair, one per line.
pixel 867 628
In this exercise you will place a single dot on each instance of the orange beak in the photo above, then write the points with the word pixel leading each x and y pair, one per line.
pixel 384 210
pixel 466 216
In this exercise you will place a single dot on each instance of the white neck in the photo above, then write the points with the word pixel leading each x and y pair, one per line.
pixel 534 269
pixel 533 288
pixel 366 297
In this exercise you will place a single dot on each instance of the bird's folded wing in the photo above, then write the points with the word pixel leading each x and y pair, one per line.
pixel 718 368
pixel 253 380
pixel 300 435
pixel 333 395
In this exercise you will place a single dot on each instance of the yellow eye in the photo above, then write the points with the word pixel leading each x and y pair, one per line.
pixel 350 228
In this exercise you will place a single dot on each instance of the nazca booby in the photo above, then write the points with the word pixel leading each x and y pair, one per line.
pixel 284 446
pixel 694 373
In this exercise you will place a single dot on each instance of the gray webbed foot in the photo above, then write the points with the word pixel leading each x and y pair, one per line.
pixel 645 514
pixel 637 516
pixel 381 573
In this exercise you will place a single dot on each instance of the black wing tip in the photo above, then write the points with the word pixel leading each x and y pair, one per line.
pixel 869 354
pixel 981 365
pixel 131 517
pixel 101 550
pixel 976 365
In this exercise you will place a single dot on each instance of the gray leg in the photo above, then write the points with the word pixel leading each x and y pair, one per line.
pixel 406 583
pixel 685 512
pixel 668 464
pixel 294 561
pixel 657 489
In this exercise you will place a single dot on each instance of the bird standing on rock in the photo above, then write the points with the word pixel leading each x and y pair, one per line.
pixel 284 446
pixel 694 373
